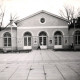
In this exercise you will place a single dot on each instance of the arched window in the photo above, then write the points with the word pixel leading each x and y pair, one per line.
pixel 77 37
pixel 27 34
pixel 7 39
pixel 27 39
pixel 58 38
pixel 42 33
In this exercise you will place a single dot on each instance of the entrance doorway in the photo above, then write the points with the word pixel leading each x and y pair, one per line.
pixel 43 40
pixel 27 40
pixel 58 36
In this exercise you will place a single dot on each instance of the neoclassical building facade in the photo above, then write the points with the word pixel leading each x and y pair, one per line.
pixel 42 29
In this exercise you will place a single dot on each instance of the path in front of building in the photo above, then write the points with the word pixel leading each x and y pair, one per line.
pixel 40 65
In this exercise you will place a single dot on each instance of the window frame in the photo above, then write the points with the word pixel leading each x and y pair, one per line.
pixel 7 39
pixel 27 39
pixel 76 38
pixel 58 38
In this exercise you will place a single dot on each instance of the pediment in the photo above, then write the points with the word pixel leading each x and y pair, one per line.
pixel 42 18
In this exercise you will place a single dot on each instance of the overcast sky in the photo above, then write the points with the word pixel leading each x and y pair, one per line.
pixel 23 8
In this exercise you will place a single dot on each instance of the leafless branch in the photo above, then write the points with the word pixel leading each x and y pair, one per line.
pixel 68 13
pixel 13 17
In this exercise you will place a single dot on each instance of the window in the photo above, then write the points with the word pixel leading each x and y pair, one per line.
pixel 42 20
pixel 58 38
pixel 40 40
pixel 44 40
pixel 25 41
pixel 77 37
pixel 7 39
pixel 29 41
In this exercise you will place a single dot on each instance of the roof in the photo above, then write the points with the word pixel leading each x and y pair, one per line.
pixel 13 25
pixel 42 11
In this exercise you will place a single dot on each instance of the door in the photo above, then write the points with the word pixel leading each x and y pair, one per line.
pixel 43 41
pixel 27 41
pixel 58 40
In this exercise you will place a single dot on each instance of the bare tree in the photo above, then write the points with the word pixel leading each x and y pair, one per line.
pixel 1 17
pixel 2 14
pixel 68 13
pixel 13 17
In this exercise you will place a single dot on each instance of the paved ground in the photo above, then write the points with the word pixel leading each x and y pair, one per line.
pixel 40 65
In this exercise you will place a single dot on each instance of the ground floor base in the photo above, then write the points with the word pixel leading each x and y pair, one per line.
pixel 39 42
pixel 55 48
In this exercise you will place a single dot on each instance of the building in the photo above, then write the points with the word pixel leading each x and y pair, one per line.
pixel 42 29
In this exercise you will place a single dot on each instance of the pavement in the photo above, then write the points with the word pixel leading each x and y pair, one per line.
pixel 40 65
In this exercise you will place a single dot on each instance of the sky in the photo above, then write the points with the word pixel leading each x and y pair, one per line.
pixel 24 8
